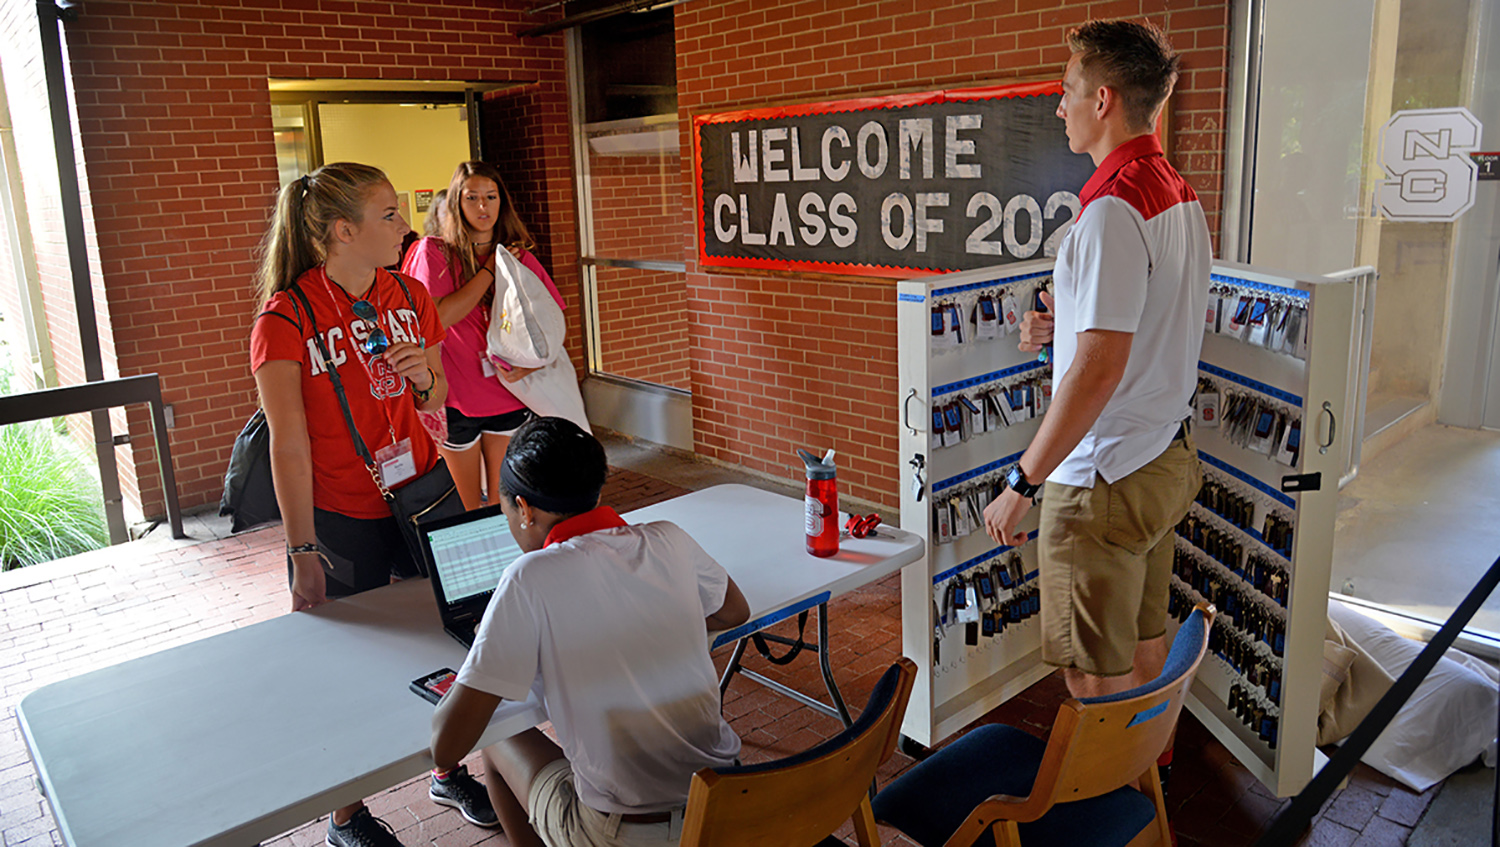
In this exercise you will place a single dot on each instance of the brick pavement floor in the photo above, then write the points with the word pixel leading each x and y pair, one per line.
pixel 65 618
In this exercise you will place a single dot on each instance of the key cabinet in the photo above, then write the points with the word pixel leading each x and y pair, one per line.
pixel 1269 424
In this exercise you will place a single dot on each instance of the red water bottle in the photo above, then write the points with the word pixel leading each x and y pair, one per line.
pixel 822 504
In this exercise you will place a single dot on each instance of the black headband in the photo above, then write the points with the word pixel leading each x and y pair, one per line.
pixel 513 484
pixel 306 182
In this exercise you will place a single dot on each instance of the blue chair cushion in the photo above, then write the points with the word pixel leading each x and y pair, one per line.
pixel 930 801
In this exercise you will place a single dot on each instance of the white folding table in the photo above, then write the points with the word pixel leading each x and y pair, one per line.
pixel 758 537
pixel 238 737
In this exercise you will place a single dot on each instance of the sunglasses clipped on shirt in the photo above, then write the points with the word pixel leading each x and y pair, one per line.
pixel 376 342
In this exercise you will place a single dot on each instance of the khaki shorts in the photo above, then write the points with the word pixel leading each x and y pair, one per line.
pixel 562 820
pixel 1106 561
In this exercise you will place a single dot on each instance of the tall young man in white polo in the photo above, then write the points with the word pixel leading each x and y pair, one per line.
pixel 1131 283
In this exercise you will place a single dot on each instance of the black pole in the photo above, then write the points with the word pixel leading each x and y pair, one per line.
pixel 1286 828
pixel 50 16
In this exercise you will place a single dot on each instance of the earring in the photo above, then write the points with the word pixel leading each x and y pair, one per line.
pixel 524 525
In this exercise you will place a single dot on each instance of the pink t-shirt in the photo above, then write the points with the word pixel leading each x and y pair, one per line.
pixel 470 391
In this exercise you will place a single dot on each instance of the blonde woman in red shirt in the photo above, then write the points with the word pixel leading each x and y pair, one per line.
pixel 323 271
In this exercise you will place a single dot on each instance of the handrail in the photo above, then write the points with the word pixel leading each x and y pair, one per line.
pixel 97 396
pixel 1357 387
pixel 1289 825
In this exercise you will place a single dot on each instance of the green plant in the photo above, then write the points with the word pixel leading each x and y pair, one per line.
pixel 50 506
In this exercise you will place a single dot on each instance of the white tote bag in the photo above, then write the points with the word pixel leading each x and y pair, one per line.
pixel 526 326
pixel 527 330
pixel 552 392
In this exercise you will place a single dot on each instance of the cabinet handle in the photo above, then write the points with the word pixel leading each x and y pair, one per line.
pixel 1333 426
pixel 906 410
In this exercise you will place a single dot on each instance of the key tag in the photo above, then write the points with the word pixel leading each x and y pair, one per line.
pixel 975 414
pixel 953 432
pixel 940 523
pixel 962 528
pixel 1211 319
pixel 1018 404
pixel 1301 339
pixel 1276 336
pixel 1239 318
pixel 935 438
pixel 941 340
pixel 987 407
pixel 1291 443
pixel 969 611
pixel 1012 314
pixel 988 323
pixel 1208 408
pixel 955 323
pixel 1265 430
pixel 1259 312
pixel 397 464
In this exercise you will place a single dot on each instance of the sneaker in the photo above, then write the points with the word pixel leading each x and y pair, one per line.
pixel 362 830
pixel 464 793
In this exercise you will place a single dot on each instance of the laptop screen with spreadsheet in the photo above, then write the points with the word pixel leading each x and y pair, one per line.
pixel 469 557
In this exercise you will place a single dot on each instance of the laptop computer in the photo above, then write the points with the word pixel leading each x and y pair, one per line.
pixel 467 553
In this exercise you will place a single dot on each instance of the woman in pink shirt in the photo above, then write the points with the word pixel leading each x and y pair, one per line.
pixel 458 268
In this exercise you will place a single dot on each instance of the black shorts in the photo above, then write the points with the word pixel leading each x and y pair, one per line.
pixel 464 431
pixel 359 553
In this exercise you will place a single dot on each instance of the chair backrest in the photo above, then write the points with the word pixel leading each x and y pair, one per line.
pixel 1102 743
pixel 801 799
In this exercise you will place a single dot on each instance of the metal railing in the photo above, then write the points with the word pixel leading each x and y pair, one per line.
pixel 95 397
pixel 1357 389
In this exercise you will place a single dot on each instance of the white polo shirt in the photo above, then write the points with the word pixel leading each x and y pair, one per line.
pixel 611 618
pixel 1137 260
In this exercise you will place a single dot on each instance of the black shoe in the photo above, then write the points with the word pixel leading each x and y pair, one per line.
pixel 464 793
pixel 362 830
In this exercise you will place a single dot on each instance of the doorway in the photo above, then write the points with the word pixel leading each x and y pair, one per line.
pixel 417 132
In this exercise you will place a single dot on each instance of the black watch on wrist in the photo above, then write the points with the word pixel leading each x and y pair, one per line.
pixel 1015 479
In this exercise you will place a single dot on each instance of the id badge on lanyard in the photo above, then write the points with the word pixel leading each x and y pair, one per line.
pixel 397 463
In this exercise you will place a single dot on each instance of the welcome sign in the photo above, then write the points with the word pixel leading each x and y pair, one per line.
pixel 940 181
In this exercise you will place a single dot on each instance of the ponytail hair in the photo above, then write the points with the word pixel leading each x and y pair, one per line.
pixel 302 224
pixel 509 231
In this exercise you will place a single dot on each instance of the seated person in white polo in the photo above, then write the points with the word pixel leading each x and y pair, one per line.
pixel 609 619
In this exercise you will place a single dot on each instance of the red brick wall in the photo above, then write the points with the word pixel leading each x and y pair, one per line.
pixel 526 136
pixel 781 361
pixel 643 325
pixel 635 206
pixel 176 127
pixel 643 328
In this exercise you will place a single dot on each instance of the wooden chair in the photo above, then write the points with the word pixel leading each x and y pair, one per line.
pixel 800 800
pixel 1093 783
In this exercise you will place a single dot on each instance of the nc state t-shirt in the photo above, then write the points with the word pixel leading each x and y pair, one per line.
pixel 380 401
